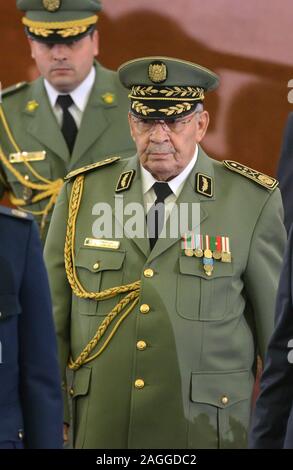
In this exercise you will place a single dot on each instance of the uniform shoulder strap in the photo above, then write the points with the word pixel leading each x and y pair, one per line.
pixel 93 166
pixel 14 88
pixel 264 180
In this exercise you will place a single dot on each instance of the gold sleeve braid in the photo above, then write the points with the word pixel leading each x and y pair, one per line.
pixel 79 291
pixel 46 188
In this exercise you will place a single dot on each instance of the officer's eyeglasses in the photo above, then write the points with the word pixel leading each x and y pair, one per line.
pixel 169 125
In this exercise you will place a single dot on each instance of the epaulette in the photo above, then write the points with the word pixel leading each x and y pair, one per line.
pixel 11 212
pixel 93 166
pixel 254 175
pixel 12 89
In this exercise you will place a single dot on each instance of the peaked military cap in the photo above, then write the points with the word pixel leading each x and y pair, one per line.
pixel 59 21
pixel 164 87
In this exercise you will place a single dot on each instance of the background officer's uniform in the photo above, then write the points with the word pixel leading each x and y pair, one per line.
pixel 28 124
pixel 30 392
pixel 179 370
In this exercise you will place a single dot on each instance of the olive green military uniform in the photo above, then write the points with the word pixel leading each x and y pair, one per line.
pixel 104 130
pixel 35 157
pixel 179 370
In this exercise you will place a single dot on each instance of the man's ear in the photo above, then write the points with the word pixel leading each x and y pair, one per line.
pixel 96 41
pixel 203 120
pixel 31 44
pixel 132 133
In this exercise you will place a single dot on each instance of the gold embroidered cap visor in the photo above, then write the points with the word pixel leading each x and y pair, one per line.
pixel 59 21
pixel 165 87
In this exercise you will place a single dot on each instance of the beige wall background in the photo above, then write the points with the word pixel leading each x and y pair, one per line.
pixel 248 44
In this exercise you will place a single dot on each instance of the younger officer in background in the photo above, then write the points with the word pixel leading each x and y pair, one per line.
pixel 30 392
pixel 73 115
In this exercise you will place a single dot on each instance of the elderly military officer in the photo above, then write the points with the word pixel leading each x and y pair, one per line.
pixel 73 115
pixel 162 333
pixel 273 415
pixel 30 394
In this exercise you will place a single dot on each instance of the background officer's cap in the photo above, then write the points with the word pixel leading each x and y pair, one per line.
pixel 59 21
pixel 163 87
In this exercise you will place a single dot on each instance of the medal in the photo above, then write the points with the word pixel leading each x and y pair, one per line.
pixel 198 253
pixel 208 268
pixel 188 252
pixel 217 255
pixel 226 254
pixel 188 244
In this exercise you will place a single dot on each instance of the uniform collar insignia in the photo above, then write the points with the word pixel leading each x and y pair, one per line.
pixel 31 106
pixel 204 185
pixel 125 181
pixel 108 98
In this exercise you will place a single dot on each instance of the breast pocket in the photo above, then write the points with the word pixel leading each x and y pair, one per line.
pixel 200 297
pixel 40 167
pixel 98 270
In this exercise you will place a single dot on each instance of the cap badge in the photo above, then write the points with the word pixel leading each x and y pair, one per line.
pixel 157 72
pixel 52 5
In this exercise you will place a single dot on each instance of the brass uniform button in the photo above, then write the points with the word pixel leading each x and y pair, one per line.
pixel 20 435
pixel 144 308
pixel 224 400
pixel 96 265
pixel 26 177
pixel 139 383
pixel 148 272
pixel 71 392
pixel 141 345
pixel 0 314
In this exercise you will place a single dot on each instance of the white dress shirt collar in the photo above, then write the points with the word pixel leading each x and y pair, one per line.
pixel 79 96
pixel 176 184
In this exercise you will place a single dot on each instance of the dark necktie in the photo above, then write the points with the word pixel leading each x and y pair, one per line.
pixel 156 214
pixel 69 128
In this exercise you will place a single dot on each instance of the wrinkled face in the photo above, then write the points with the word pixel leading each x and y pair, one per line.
pixel 165 147
pixel 65 66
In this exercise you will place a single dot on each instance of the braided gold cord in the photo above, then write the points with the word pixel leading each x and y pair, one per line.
pixel 47 189
pixel 84 356
pixel 79 291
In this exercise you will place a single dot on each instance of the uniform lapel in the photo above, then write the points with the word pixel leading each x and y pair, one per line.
pixel 188 194
pixel 41 123
pixel 95 120
pixel 134 196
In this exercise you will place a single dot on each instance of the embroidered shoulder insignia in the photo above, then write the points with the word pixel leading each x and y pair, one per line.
pixel 125 180
pixel 14 88
pixel 204 185
pixel 254 175
pixel 93 166
pixel 15 213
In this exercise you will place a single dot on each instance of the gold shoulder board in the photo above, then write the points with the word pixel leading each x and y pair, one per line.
pixel 93 166
pixel 254 175
pixel 14 88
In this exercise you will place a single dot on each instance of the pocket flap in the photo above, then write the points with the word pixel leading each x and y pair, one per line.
pixel 194 267
pixel 97 260
pixel 221 389
pixel 9 305
pixel 81 381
